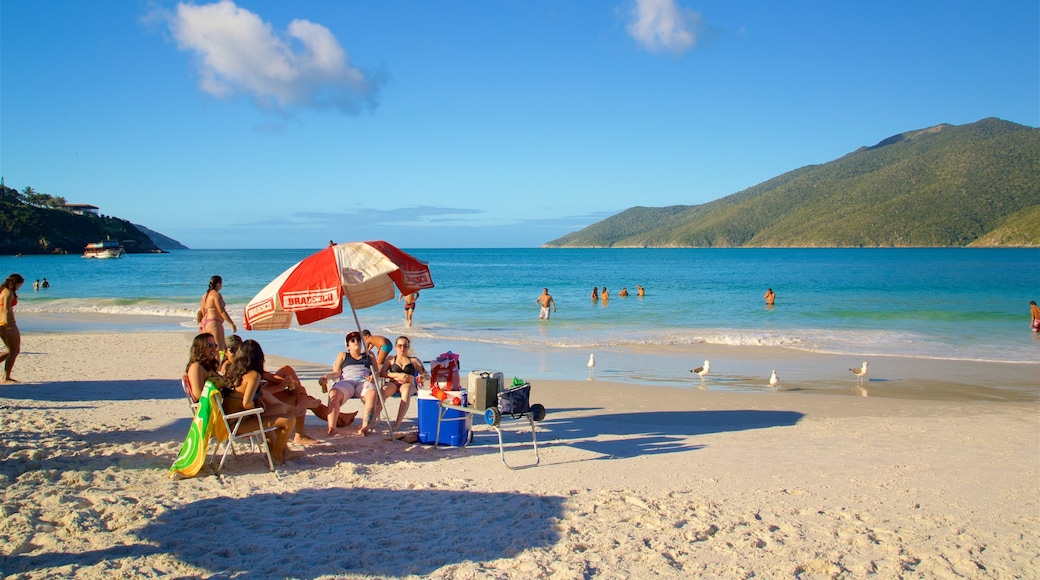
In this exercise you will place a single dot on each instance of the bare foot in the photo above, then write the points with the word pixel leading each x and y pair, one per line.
pixel 346 419
pixel 10 381
pixel 309 402
pixel 363 431
pixel 332 431
pixel 304 440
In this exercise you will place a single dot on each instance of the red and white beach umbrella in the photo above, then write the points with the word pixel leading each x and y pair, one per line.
pixel 313 289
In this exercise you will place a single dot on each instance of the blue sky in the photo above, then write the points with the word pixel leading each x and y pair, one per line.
pixel 271 124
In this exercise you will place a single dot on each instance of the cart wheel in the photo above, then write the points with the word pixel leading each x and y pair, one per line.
pixel 492 416
pixel 537 412
pixel 470 438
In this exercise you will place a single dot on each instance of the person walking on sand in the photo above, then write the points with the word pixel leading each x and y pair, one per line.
pixel 9 333
pixel 1034 311
pixel 545 300
pixel 770 296
pixel 213 312
pixel 409 306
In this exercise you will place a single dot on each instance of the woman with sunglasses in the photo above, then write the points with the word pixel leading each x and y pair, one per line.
pixel 405 373
pixel 352 376
pixel 203 364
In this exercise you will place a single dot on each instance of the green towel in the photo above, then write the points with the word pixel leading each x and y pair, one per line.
pixel 206 423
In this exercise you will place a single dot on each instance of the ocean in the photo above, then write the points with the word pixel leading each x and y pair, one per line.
pixel 927 303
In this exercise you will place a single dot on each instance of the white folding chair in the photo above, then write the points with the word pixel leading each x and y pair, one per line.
pixel 186 385
pixel 257 436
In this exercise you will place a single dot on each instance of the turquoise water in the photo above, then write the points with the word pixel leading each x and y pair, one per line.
pixel 960 304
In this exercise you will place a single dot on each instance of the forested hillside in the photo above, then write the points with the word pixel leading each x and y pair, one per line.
pixel 27 229
pixel 968 185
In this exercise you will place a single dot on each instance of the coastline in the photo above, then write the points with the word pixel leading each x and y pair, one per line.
pixel 633 481
pixel 735 368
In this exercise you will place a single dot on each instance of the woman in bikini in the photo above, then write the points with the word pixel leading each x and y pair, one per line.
pixel 213 312
pixel 9 333
pixel 406 372
pixel 242 391
pixel 202 364
pixel 287 390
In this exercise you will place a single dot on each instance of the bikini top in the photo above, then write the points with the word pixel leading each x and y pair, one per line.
pixel 408 369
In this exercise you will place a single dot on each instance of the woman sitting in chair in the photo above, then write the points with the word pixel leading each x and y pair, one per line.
pixel 352 378
pixel 281 387
pixel 242 391
pixel 202 364
pixel 406 373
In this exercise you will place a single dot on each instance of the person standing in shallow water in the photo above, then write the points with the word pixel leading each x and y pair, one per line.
pixel 9 333
pixel 1034 311
pixel 545 300
pixel 770 296
pixel 409 306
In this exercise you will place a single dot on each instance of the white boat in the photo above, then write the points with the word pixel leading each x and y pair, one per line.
pixel 106 249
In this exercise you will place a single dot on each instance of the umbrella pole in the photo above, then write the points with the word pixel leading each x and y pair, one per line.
pixel 375 378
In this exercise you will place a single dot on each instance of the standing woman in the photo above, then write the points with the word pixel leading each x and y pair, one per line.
pixel 8 327
pixel 214 312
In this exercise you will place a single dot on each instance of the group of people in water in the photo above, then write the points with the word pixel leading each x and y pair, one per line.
pixel 604 294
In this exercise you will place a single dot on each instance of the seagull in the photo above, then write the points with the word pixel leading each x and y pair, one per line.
pixel 702 371
pixel 592 361
pixel 860 372
pixel 774 380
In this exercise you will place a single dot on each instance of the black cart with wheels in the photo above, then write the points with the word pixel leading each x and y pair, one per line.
pixel 514 403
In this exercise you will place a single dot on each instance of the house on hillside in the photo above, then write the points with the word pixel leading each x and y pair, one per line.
pixel 82 209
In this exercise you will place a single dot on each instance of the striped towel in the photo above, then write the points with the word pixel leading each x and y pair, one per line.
pixel 207 423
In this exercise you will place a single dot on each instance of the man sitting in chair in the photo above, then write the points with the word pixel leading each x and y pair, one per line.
pixel 352 379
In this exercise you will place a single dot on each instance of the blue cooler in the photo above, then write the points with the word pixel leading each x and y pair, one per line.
pixel 455 425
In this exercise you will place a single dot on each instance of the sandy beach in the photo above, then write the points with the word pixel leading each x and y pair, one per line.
pixel 633 482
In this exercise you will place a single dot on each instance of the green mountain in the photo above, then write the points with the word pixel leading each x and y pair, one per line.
pixel 967 185
pixel 28 229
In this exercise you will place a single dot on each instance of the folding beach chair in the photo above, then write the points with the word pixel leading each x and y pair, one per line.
pixel 257 436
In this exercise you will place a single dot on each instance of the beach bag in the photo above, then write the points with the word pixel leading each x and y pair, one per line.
pixel 515 400
pixel 444 372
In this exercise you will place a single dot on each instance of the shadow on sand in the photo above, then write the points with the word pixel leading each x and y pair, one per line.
pixel 634 434
pixel 335 531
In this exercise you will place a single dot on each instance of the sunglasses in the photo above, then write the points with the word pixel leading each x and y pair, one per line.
pixel 353 340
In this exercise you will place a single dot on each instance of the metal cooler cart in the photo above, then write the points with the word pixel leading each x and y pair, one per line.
pixel 513 403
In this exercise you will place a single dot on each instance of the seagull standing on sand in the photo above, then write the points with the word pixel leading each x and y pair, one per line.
pixel 592 361
pixel 774 380
pixel 702 371
pixel 860 372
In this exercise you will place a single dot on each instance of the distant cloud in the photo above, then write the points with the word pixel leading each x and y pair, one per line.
pixel 239 53
pixel 663 25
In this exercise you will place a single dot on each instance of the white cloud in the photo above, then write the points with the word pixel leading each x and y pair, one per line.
pixel 663 25
pixel 240 53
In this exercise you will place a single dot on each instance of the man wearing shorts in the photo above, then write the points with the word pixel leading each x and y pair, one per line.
pixel 545 300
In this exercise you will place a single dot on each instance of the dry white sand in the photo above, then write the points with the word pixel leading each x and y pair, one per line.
pixel 634 482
